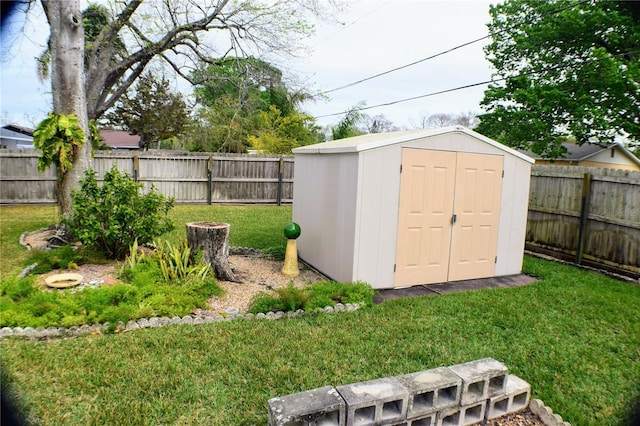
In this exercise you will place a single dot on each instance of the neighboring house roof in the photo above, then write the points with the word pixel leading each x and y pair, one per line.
pixel 120 139
pixel 585 152
pixel 13 136
pixel 19 129
pixel 378 140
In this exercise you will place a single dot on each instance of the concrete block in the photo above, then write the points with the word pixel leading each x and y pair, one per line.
pixel 515 398
pixel 472 414
pixel 449 417
pixel 431 391
pixel 481 379
pixel 382 401
pixel 428 420
pixel 317 407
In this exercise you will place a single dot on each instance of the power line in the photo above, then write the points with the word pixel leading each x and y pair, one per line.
pixel 570 6
pixel 467 86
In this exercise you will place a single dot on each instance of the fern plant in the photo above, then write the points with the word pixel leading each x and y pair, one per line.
pixel 58 137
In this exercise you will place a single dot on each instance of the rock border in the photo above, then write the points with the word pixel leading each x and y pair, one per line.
pixel 153 322
pixel 546 414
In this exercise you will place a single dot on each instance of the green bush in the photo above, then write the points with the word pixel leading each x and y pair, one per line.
pixel 317 295
pixel 114 215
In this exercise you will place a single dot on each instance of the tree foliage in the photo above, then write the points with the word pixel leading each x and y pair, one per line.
pixel 242 101
pixel 348 125
pixel 570 69
pixel 154 112
pixel 280 133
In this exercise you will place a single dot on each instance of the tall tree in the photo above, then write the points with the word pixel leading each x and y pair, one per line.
pixel 237 97
pixel 67 58
pixel 178 32
pixel 154 112
pixel 570 69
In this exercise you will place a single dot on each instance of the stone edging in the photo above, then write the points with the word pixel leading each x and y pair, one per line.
pixel 74 331
pixel 545 414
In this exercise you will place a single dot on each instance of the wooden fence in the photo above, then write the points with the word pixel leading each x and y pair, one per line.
pixel 188 177
pixel 586 215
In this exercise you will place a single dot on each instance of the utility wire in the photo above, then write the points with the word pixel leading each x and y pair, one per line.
pixel 570 6
pixel 467 86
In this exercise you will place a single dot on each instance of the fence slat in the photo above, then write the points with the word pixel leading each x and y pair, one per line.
pixel 611 215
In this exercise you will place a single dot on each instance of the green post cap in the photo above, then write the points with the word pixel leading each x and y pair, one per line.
pixel 292 230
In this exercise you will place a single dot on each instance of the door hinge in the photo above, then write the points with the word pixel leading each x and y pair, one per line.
pixel 454 218
pixel 503 173
pixel 400 168
pixel 394 267
pixel 496 261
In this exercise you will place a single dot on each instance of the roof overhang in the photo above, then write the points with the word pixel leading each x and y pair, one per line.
pixel 378 140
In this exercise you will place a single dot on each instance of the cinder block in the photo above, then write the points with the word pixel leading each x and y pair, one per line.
pixel 515 398
pixel 431 391
pixel 481 379
pixel 449 417
pixel 317 407
pixel 382 401
pixel 428 420
pixel 472 414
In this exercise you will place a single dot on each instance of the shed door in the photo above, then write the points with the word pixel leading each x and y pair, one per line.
pixel 432 246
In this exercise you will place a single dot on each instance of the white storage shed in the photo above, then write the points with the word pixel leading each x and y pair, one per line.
pixel 410 208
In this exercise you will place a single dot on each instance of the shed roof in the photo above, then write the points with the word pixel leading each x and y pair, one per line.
pixel 379 140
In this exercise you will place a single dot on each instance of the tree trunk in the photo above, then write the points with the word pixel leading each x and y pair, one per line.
pixel 213 240
pixel 67 84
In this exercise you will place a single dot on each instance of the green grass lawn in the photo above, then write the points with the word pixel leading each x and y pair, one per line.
pixel 573 335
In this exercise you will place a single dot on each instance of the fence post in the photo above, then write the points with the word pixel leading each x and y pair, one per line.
pixel 136 167
pixel 584 213
pixel 280 173
pixel 210 180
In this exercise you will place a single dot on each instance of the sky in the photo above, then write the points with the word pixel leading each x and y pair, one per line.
pixel 370 37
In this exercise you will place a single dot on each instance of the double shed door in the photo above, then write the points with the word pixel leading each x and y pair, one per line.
pixel 448 216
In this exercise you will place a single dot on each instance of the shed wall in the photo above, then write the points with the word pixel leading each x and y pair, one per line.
pixel 377 217
pixel 325 196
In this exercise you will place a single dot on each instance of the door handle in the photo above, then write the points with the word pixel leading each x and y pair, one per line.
pixel 454 218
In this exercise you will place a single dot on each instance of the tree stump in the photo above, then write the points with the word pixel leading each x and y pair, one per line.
pixel 213 241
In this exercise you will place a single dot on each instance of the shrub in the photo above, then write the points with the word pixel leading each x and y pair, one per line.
pixel 113 216
pixel 317 295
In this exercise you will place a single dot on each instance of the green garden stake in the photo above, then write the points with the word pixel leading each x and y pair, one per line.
pixel 290 268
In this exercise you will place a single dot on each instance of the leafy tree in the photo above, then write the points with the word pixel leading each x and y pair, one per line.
pixel 570 69
pixel 282 133
pixel 220 128
pixel 155 113
pixel 238 96
pixel 348 126
pixel 87 80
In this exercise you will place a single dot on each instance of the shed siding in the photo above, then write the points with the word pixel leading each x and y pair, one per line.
pixel 325 194
pixel 513 216
pixel 377 221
